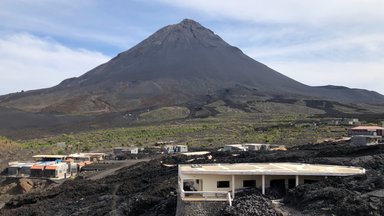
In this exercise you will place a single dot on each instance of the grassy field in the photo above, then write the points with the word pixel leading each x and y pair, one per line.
pixel 213 132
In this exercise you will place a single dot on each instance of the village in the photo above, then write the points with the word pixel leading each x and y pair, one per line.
pixel 59 167
pixel 203 175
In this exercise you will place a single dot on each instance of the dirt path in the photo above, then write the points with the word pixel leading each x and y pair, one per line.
pixel 108 172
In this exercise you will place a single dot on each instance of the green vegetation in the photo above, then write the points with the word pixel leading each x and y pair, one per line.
pixel 211 132
pixel 6 144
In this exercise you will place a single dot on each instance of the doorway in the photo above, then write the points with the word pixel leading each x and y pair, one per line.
pixel 278 185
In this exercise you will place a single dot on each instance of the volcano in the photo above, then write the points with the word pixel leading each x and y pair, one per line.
pixel 178 64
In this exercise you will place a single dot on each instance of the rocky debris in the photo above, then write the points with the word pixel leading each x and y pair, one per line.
pixel 340 196
pixel 149 188
pixel 200 208
pixel 250 202
pixel 25 185
pixel 17 186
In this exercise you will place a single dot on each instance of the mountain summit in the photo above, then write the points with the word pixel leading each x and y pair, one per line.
pixel 187 52
pixel 178 64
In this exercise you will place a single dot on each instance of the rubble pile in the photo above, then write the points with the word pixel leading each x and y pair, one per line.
pixel 250 202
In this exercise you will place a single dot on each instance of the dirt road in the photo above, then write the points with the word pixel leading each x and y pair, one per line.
pixel 107 172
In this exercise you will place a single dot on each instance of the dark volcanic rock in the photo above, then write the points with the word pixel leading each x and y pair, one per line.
pixel 149 188
pixel 250 203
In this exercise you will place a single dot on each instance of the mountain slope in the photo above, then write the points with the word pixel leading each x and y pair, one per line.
pixel 176 65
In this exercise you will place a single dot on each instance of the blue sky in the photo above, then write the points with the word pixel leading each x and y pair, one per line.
pixel 338 42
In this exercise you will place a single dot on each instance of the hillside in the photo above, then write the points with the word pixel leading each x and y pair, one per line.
pixel 183 64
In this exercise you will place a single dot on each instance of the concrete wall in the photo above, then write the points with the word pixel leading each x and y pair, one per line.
pixel 209 182
pixel 185 208
pixel 239 181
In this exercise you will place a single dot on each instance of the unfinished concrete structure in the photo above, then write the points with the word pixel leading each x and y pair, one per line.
pixel 366 130
pixel 219 182
pixel 252 147
pixel 19 169
pixel 234 148
pixel 95 156
pixel 257 146
pixel 366 140
pixel 169 149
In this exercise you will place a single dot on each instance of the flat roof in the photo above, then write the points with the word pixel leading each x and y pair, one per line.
pixel 270 169
pixel 368 128
pixel 195 153
pixel 78 155
pixel 49 156
pixel 94 153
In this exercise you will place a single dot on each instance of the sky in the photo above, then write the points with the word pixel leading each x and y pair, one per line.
pixel 328 42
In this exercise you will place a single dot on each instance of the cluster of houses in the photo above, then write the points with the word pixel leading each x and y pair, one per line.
pixel 53 166
pixel 252 147
pixel 64 166
pixel 132 152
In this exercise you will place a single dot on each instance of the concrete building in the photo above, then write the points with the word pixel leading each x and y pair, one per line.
pixel 78 161
pixel 366 139
pixel 45 158
pixel 220 182
pixel 125 150
pixel 169 149
pixel 19 169
pixel 234 148
pixel 252 147
pixel 257 146
pixel 51 170
pixel 350 121
pixel 366 130
pixel 94 156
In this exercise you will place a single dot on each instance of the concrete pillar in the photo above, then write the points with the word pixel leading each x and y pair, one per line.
pixel 297 180
pixel 263 184
pixel 233 186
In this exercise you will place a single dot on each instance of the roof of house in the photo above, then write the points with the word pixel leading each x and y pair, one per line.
pixel 49 156
pixel 94 154
pixel 256 144
pixel 368 128
pixel 234 145
pixel 20 164
pixel 271 169
pixel 130 148
pixel 195 153
pixel 78 155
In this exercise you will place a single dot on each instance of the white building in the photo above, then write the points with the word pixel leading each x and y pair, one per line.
pixel 19 169
pixel 51 170
pixel 257 146
pixel 174 149
pixel 234 148
pixel 219 182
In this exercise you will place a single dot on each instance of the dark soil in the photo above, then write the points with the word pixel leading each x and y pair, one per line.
pixel 149 188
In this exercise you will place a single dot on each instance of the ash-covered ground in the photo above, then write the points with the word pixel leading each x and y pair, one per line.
pixel 149 188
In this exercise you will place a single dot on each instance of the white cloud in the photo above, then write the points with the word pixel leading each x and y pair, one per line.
pixel 297 11
pixel 85 21
pixel 364 75
pixel 29 62
pixel 353 47
pixel 339 42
